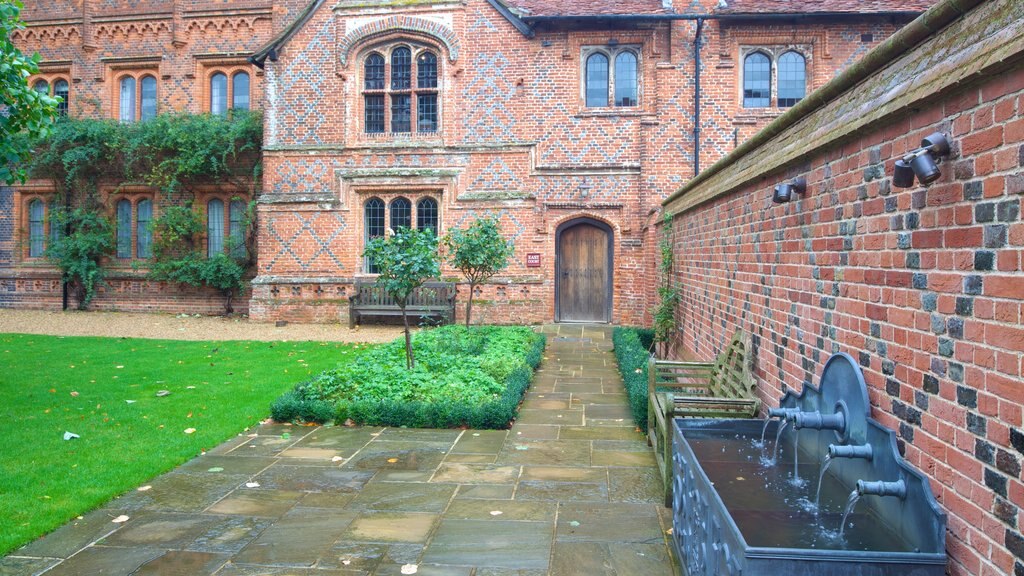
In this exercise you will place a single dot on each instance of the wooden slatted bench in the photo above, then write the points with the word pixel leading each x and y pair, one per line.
pixel 432 300
pixel 724 388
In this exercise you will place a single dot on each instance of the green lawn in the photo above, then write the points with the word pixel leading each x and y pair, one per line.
pixel 105 390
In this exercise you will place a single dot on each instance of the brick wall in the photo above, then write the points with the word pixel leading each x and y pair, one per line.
pixel 515 142
pixel 923 285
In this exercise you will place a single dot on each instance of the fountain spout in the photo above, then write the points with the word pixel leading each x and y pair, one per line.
pixel 850 451
pixel 881 488
pixel 818 421
pixel 783 413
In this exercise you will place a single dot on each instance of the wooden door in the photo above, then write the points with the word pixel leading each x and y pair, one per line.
pixel 583 266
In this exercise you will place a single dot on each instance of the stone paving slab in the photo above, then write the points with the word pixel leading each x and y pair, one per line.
pixel 572 489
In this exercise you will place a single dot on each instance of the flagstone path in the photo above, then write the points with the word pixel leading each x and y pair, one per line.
pixel 572 489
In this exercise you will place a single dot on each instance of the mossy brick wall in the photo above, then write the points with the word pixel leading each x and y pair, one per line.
pixel 923 285
pixel 515 143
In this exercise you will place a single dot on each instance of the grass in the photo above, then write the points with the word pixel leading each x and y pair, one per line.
pixel 105 390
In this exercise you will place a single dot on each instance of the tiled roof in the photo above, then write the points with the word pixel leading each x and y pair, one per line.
pixel 528 8
pixel 811 6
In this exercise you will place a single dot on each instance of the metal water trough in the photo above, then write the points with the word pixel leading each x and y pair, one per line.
pixel 733 515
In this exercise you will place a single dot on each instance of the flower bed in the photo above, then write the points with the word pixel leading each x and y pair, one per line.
pixel 463 377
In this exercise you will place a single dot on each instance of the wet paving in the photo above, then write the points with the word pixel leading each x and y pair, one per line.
pixel 571 489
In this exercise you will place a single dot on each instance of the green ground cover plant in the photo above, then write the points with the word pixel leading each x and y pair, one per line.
pixel 105 390
pixel 463 377
pixel 632 349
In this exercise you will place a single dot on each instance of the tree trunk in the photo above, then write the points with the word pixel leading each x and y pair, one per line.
pixel 79 288
pixel 410 362
pixel 469 303
pixel 229 295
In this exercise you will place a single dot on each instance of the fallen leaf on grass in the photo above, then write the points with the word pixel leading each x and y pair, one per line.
pixel 163 393
pixel 74 394
pixel 189 430
pixel 129 401
pixel 120 519
pixel 70 435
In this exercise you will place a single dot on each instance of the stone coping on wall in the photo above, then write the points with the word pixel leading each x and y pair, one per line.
pixel 953 44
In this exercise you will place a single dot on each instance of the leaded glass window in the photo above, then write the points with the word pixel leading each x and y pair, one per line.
pixel 401 213
pixel 60 89
pixel 426 73
pixel 792 79
pixel 373 214
pixel 401 69
pixel 625 79
pixel 143 232
pixel 126 108
pixel 148 108
pixel 240 91
pixel 124 229
pixel 373 72
pixel 400 91
pixel 219 93
pixel 426 214
pixel 36 236
pixel 214 227
pixel 236 218
pixel 756 80
pixel 597 80
pixel 400 113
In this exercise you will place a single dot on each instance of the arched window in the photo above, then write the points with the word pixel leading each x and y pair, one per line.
pixel 426 214
pixel 124 228
pixel 56 222
pixel 597 80
pixel 401 213
pixel 143 233
pixel 36 234
pixel 373 214
pixel 219 93
pixel 426 102
pixel 792 78
pixel 236 217
pixel 625 79
pixel 401 79
pixel 373 72
pixel 756 80
pixel 408 101
pixel 214 227
pixel 42 86
pixel 240 91
pixel 60 90
pixel 126 108
pixel 148 108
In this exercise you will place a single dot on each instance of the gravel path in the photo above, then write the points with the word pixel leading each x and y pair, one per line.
pixel 181 327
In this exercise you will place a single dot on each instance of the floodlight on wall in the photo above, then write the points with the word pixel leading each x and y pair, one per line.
pixel 922 162
pixel 784 192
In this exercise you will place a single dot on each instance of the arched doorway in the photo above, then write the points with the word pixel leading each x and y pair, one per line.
pixel 583 271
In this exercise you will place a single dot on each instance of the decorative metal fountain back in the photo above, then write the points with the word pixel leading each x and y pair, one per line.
pixel 709 541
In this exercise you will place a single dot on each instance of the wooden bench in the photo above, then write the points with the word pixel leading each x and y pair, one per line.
pixel 724 388
pixel 432 299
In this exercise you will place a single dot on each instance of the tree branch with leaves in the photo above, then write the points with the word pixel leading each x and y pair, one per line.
pixel 479 252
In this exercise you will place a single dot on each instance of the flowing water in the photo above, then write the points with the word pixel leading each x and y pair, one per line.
pixel 778 435
pixel 763 430
pixel 825 463
pixel 850 504
pixel 771 511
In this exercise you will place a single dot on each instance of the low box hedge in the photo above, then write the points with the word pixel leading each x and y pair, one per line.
pixel 463 377
pixel 632 355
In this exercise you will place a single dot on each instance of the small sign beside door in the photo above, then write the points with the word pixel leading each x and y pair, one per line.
pixel 533 260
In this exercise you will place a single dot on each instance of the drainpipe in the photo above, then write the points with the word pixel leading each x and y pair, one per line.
pixel 696 97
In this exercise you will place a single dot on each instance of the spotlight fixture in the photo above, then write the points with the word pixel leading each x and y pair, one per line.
pixel 921 162
pixel 784 192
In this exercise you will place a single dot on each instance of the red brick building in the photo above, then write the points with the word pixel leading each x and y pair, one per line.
pixel 569 121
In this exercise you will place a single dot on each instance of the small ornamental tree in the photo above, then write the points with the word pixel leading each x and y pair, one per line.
pixel 85 238
pixel 479 252
pixel 404 260
pixel 25 114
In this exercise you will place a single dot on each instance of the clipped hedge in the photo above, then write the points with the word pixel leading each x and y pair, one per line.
pixel 632 356
pixel 463 377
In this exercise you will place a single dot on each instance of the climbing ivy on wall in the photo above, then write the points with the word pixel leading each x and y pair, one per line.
pixel 174 154
pixel 668 292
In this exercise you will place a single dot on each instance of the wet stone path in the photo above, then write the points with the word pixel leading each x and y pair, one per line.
pixel 571 489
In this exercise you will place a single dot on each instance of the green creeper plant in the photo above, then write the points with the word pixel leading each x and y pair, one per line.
pixel 86 238
pixel 668 292
pixel 25 114
pixel 479 252
pixel 405 260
